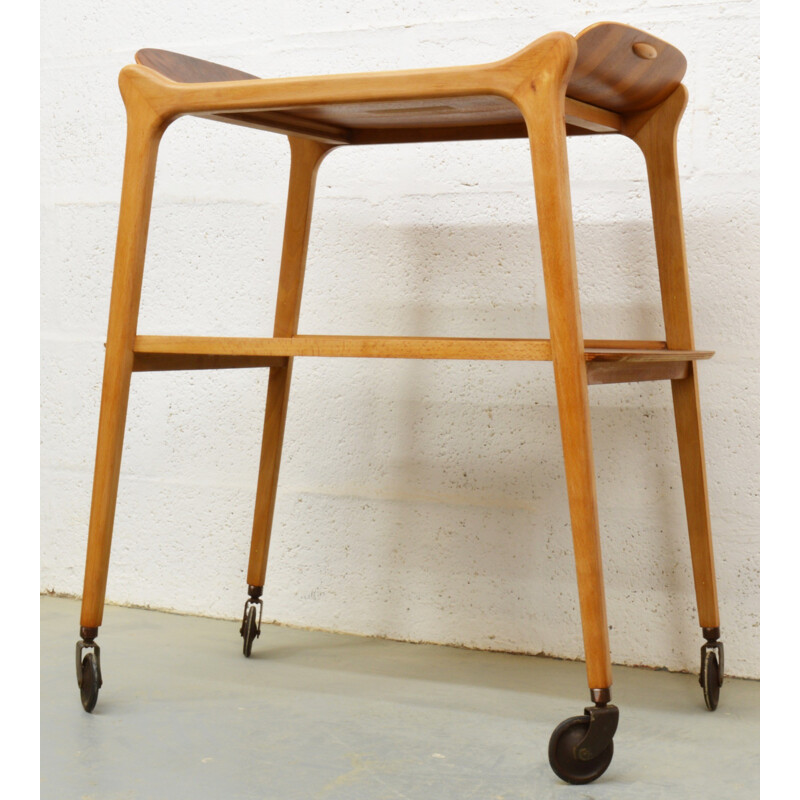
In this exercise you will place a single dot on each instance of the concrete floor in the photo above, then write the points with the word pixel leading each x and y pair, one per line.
pixel 318 716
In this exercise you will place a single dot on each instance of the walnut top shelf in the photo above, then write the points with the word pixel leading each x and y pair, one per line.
pixel 619 70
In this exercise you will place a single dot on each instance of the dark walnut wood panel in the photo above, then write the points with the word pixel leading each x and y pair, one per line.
pixel 604 372
pixel 187 69
pixel 164 362
pixel 422 113
pixel 618 69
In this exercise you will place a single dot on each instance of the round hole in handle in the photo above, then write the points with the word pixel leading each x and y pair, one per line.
pixel 644 50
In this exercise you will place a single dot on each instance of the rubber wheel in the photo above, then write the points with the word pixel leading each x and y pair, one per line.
pixel 249 631
pixel 561 752
pixel 90 682
pixel 710 679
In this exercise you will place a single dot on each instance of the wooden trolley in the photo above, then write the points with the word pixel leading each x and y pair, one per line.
pixel 610 78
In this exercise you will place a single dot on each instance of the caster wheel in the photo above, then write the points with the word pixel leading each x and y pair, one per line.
pixel 563 760
pixel 249 631
pixel 90 681
pixel 710 678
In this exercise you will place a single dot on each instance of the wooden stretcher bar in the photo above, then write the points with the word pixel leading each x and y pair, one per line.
pixel 608 361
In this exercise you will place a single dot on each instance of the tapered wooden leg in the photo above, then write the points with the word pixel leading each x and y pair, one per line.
pixel 144 134
pixel 686 401
pixel 306 158
pixel 655 132
pixel 542 106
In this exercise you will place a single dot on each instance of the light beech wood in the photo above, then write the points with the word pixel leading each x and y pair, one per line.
pixel 625 344
pixel 542 104
pixel 656 133
pixel 610 78
pixel 645 355
pixel 144 133
pixel 645 50
pixel 307 155
pixel 405 347
pixel 353 347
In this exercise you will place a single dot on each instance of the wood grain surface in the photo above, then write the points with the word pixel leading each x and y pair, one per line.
pixel 618 69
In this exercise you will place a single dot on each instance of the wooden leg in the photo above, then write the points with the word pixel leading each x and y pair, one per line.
pixel 144 134
pixel 269 466
pixel 543 111
pixel 306 158
pixel 655 132
pixel 686 401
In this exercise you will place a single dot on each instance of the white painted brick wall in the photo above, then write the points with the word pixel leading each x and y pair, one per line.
pixel 417 500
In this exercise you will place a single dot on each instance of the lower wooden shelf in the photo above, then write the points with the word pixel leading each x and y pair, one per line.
pixel 608 361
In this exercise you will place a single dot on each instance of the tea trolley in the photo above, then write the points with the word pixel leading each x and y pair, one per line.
pixel 609 79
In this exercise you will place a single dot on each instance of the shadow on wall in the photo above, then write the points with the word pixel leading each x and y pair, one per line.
pixel 486 434
pixel 438 486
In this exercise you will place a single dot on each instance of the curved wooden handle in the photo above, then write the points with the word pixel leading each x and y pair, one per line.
pixel 624 69
pixel 187 69
pixel 618 68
